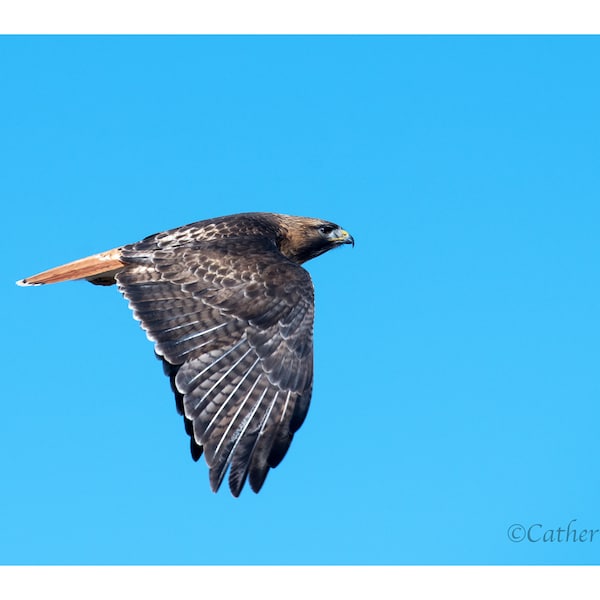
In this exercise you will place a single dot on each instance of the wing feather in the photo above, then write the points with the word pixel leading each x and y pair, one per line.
pixel 232 323
pixel 243 460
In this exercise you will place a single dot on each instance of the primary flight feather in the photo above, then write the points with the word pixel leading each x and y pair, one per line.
pixel 230 311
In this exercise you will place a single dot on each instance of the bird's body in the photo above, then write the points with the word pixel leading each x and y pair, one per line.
pixel 230 311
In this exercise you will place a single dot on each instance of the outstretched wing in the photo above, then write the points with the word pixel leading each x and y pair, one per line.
pixel 232 320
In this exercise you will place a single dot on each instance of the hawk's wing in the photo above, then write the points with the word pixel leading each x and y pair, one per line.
pixel 232 321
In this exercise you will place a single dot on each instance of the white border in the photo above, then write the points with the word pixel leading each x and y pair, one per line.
pixel 296 17
pixel 298 582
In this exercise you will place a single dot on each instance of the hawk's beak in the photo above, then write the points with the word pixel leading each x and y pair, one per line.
pixel 343 237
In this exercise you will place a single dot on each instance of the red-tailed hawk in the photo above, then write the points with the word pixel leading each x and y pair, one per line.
pixel 230 311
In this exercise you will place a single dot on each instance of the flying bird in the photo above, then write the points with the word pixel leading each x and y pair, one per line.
pixel 230 310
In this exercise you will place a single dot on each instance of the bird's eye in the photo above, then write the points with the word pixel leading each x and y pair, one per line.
pixel 326 229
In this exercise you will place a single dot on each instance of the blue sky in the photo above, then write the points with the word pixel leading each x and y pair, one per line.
pixel 456 346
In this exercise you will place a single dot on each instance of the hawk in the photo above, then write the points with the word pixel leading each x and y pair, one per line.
pixel 230 310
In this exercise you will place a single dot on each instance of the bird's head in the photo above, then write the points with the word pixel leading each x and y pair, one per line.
pixel 305 238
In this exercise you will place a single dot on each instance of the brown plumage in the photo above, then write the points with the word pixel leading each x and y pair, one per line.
pixel 230 311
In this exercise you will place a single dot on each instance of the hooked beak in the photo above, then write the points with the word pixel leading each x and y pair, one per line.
pixel 343 237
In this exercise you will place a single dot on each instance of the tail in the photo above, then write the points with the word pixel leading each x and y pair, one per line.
pixel 99 269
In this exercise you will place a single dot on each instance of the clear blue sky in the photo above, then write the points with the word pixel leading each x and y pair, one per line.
pixel 457 345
